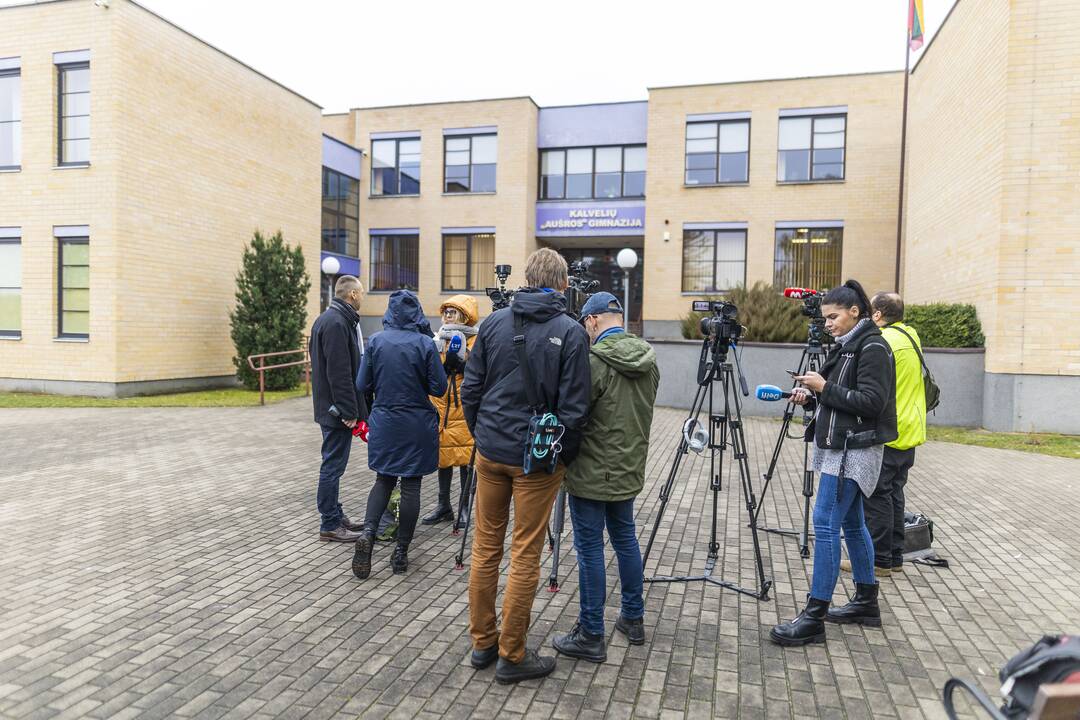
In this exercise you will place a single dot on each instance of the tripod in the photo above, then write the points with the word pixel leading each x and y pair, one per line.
pixel 465 504
pixel 811 360
pixel 555 531
pixel 714 369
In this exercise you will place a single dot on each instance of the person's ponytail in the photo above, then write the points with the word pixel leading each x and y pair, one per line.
pixel 850 294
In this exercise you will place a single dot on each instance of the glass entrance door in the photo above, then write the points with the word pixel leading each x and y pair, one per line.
pixel 602 267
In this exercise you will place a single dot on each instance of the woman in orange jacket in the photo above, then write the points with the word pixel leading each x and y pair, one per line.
pixel 454 340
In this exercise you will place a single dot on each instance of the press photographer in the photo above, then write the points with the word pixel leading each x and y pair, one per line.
pixel 856 414
pixel 527 376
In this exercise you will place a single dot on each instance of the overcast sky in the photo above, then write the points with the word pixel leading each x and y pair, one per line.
pixel 344 54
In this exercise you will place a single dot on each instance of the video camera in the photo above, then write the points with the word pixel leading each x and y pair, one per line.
pixel 812 309
pixel 500 297
pixel 578 288
pixel 723 323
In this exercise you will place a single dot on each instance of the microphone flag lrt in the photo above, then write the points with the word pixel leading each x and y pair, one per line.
pixel 771 393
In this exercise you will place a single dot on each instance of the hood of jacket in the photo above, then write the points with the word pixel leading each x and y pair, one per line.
pixel 466 305
pixel 627 354
pixel 538 306
pixel 403 312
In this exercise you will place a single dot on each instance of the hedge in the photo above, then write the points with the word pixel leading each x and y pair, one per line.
pixel 945 325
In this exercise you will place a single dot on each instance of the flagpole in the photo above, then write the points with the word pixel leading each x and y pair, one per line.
pixel 903 151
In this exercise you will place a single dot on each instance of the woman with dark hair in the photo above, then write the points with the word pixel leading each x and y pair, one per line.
pixel 855 415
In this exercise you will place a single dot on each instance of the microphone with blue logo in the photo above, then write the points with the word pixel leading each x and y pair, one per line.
pixel 455 354
pixel 771 393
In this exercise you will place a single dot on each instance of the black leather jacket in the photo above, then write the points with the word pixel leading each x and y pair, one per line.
pixel 859 396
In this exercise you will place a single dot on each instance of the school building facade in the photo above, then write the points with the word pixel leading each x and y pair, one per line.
pixel 121 258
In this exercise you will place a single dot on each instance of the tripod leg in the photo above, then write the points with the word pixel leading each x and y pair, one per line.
pixel 560 518
pixel 789 413
pixel 716 471
pixel 808 492
pixel 463 498
pixel 738 441
pixel 459 561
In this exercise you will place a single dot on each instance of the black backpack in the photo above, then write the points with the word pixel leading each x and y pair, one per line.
pixel 1051 660
pixel 930 388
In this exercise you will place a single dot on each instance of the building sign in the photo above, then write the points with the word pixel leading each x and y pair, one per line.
pixel 590 219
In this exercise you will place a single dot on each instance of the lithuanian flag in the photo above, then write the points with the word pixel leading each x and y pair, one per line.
pixel 915 24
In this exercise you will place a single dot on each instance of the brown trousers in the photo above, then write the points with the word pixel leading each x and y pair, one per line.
pixel 533 496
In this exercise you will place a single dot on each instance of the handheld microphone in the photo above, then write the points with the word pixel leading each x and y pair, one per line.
pixel 771 393
pixel 800 293
pixel 454 347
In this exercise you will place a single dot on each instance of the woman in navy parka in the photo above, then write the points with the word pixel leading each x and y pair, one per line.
pixel 401 368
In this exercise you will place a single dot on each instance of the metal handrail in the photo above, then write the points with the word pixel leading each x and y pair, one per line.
pixel 262 367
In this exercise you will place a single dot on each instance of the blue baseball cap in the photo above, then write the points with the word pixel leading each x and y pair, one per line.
pixel 600 303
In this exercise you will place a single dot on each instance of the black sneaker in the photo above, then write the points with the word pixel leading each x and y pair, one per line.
pixel 361 561
pixel 531 666
pixel 582 645
pixel 481 659
pixel 634 630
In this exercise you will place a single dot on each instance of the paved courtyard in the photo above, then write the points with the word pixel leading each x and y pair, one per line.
pixel 164 563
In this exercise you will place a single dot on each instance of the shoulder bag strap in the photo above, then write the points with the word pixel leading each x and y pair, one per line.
pixel 523 362
pixel 915 347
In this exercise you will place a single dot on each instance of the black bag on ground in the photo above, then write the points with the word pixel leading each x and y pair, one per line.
pixel 1051 660
pixel 918 532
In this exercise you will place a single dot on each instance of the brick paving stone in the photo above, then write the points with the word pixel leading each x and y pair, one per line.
pixel 196 587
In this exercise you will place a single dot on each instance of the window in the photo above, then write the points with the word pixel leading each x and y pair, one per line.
pixel 74 109
pixel 808 257
pixel 74 287
pixel 10 119
pixel 585 173
pixel 340 213
pixel 717 152
pixel 395 166
pixel 713 260
pixel 470 164
pixel 395 262
pixel 811 148
pixel 10 287
pixel 468 261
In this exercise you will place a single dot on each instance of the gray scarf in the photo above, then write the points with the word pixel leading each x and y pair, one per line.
pixel 843 339
pixel 448 330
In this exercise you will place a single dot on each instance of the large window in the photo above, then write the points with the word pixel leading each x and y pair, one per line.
pixel 811 148
pixel 340 213
pixel 468 262
pixel 586 173
pixel 10 119
pixel 395 262
pixel 74 287
pixel 713 260
pixel 808 257
pixel 74 111
pixel 470 163
pixel 10 287
pixel 717 152
pixel 395 166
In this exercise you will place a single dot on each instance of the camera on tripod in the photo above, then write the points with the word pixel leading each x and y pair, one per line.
pixel 579 288
pixel 723 323
pixel 811 308
pixel 500 297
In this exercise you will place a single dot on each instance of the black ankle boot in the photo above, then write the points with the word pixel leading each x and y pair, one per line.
pixel 399 561
pixel 808 627
pixel 862 609
pixel 441 513
pixel 532 666
pixel 580 644
pixel 361 561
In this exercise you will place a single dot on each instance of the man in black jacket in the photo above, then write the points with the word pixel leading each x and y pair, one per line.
pixel 497 411
pixel 335 359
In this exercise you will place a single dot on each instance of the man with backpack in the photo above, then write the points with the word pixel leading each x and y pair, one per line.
pixel 525 397
pixel 885 508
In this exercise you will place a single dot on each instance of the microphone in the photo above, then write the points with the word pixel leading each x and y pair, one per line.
pixel 454 347
pixel 771 393
pixel 799 293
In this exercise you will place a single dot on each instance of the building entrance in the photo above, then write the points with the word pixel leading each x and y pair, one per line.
pixel 602 267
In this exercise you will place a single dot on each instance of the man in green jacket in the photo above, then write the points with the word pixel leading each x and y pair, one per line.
pixel 608 474
pixel 885 508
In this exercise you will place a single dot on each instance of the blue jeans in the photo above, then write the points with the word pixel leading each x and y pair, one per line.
pixel 589 518
pixel 833 511
pixel 336 445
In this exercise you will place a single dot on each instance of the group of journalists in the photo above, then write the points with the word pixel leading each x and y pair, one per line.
pixel 537 399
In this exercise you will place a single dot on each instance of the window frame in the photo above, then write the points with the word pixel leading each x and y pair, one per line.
pixel 396 263
pixel 470 237
pixel 472 180
pixel 15 334
pixel 592 174
pixel 808 280
pixel 61 242
pixel 397 167
pixel 810 169
pixel 14 72
pixel 340 213
pixel 718 153
pixel 60 70
pixel 713 288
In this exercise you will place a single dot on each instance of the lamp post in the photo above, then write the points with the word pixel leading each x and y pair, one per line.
pixel 627 260
pixel 330 266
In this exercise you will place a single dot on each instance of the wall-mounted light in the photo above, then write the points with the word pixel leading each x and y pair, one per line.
pixel 667 236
